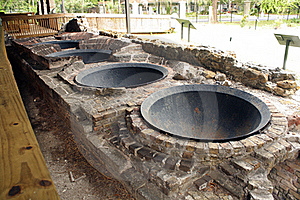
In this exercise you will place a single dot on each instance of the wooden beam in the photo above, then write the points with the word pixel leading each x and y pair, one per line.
pixel 23 171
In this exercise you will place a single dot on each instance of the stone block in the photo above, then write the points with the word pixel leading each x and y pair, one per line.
pixel 115 140
pixel 296 184
pixel 264 184
pixel 234 189
pixel 293 154
pixel 185 165
pixel 242 165
pixel 209 74
pixel 287 84
pixel 253 161
pixel 213 148
pixel 203 183
pixel 171 184
pixel 296 195
pixel 220 77
pixel 296 145
pixel 286 186
pixel 286 145
pixel 237 146
pixel 187 154
pixel 257 141
pixel 133 148
pixel 191 146
pixel 146 153
pixel 161 138
pixel 265 137
pixel 210 195
pixel 219 177
pixel 279 123
pixel 293 165
pixel 272 135
pixel 127 141
pixel 229 169
pixel 249 145
pixel 259 194
pixel 288 169
pixel 203 169
pixel 150 192
pixel 226 147
pixel 104 115
pixel 201 148
pixel 170 142
pixel 197 195
pixel 267 158
pixel 170 163
pixel 272 150
pixel 153 136
pixel 133 178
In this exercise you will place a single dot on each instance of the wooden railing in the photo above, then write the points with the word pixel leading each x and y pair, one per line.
pixel 23 171
pixel 20 26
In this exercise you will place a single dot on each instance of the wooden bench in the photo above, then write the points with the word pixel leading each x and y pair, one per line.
pixel 23 171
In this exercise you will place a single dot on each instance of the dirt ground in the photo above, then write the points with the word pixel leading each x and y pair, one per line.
pixel 73 176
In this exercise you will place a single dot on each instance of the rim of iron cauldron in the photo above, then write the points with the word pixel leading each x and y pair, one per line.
pixel 159 68
pixel 259 105
pixel 80 51
pixel 64 44
pixel 61 54
pixel 57 41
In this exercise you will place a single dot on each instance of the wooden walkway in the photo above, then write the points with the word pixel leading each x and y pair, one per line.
pixel 23 171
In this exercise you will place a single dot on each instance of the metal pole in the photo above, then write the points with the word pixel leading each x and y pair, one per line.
pixel 158 8
pixel 220 11
pixel 127 12
pixel 286 52
pixel 231 17
pixel 197 12
pixel 182 30
pixel 189 32
pixel 255 23
pixel 179 11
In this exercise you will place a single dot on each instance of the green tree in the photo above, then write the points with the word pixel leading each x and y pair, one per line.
pixel 17 6
pixel 277 6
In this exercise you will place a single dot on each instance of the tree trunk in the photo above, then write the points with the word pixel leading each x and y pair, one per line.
pixel 215 9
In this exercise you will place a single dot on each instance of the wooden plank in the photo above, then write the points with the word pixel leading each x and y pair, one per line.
pixel 23 171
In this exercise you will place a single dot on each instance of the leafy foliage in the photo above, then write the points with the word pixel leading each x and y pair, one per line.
pixel 18 6
pixel 278 6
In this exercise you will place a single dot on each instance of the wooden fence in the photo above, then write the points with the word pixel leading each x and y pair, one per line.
pixel 20 26
pixel 138 23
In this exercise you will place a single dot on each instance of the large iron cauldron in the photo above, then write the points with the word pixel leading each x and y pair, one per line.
pixel 205 112
pixel 88 55
pixel 121 75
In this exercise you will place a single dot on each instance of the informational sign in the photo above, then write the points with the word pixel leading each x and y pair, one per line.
pixel 187 24
pixel 287 40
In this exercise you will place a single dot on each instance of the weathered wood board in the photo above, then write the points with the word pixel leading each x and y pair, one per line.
pixel 23 171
